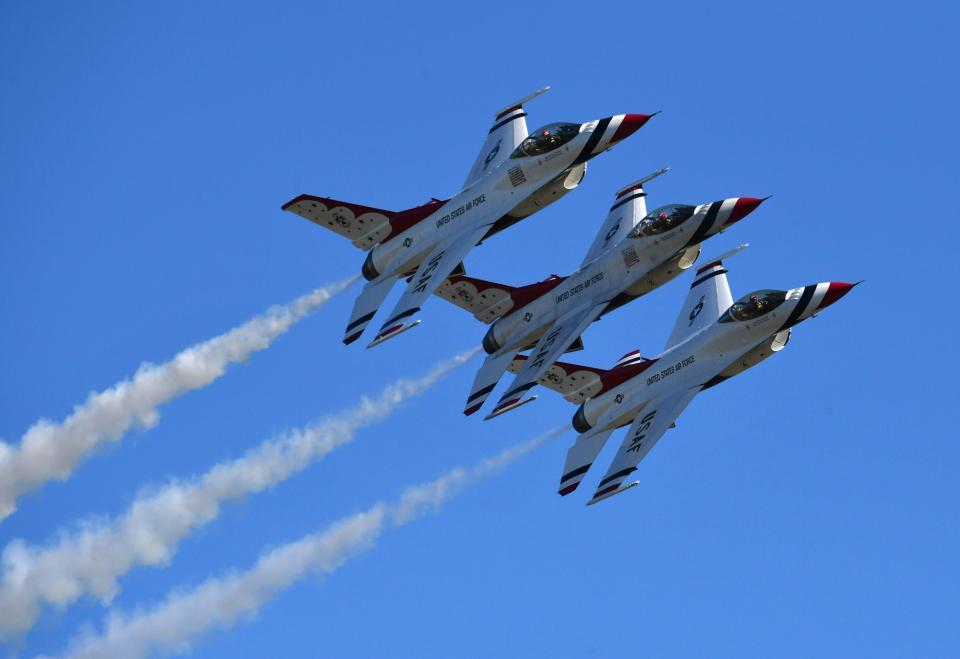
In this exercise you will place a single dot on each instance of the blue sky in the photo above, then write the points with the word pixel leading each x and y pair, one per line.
pixel 806 508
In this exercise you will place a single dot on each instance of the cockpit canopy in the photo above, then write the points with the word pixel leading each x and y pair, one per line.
pixel 546 139
pixel 753 305
pixel 663 219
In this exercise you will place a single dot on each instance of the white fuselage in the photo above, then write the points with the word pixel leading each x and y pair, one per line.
pixel 695 362
pixel 511 186
pixel 620 270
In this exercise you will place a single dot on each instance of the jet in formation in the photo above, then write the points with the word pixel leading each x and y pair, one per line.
pixel 633 253
pixel 713 340
pixel 515 175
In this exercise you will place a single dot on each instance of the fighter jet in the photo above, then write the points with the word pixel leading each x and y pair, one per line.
pixel 713 340
pixel 634 252
pixel 515 175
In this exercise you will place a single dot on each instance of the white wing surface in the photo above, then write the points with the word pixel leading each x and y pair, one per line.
pixel 649 426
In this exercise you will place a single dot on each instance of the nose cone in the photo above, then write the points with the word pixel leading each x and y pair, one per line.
pixel 743 207
pixel 629 125
pixel 836 290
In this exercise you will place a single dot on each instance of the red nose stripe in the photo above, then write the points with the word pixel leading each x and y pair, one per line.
pixel 836 291
pixel 631 124
pixel 743 207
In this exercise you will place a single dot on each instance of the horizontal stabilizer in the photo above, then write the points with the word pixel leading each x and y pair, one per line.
pixel 365 307
pixel 580 457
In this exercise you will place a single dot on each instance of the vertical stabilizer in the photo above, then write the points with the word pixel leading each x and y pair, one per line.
pixel 709 297
pixel 629 207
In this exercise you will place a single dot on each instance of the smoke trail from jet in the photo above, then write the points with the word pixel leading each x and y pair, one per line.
pixel 186 615
pixel 90 559
pixel 50 450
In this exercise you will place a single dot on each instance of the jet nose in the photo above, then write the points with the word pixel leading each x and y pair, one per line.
pixel 835 291
pixel 629 125
pixel 743 207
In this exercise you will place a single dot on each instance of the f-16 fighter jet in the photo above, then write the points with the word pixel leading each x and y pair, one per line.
pixel 515 175
pixel 633 253
pixel 713 340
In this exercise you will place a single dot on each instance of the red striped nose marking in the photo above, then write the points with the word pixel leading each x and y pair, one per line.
pixel 743 207
pixel 836 291
pixel 631 124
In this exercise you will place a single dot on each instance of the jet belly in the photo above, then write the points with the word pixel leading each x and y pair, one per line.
pixel 470 208
pixel 594 284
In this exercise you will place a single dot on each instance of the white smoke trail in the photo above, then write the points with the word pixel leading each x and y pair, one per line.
pixel 180 620
pixel 92 558
pixel 50 450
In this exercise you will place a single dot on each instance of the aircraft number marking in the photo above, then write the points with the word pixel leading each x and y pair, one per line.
pixel 636 442
pixel 670 370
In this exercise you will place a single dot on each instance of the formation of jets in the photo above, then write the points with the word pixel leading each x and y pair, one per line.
pixel 516 174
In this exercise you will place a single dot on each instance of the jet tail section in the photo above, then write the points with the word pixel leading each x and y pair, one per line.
pixel 708 298
pixel 508 130
pixel 365 307
pixel 485 380
pixel 629 207
pixel 579 458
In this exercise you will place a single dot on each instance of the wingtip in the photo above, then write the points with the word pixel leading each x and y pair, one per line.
pixel 508 406
pixel 388 334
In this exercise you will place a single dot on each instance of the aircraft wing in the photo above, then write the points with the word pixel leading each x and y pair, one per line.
pixel 548 349
pixel 652 421
pixel 433 270
pixel 574 381
pixel 509 129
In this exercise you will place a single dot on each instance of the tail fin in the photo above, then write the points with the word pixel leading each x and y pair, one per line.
pixel 629 207
pixel 364 226
pixel 709 297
